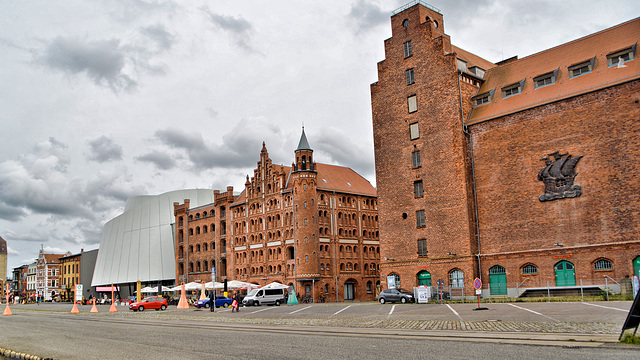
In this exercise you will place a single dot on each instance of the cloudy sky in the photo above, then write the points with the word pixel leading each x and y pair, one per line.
pixel 103 100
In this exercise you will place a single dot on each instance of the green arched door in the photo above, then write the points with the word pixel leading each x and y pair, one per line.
pixel 636 266
pixel 498 280
pixel 424 278
pixel 565 274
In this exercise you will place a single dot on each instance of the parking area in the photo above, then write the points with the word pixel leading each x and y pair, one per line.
pixel 614 312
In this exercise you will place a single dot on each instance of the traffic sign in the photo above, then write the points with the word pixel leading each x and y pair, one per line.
pixel 477 283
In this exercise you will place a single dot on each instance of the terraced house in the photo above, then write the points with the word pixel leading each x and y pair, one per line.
pixel 310 225
pixel 524 173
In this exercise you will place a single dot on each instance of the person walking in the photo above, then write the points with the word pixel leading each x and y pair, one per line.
pixel 212 301
pixel 235 306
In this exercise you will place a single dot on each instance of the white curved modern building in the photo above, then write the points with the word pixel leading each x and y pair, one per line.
pixel 138 245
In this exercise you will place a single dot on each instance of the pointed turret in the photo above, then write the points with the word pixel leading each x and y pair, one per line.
pixel 304 155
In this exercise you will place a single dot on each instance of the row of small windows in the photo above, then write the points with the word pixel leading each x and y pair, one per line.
pixel 529 269
pixel 615 59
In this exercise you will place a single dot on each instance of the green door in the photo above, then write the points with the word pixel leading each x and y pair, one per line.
pixel 636 266
pixel 424 278
pixel 565 274
pixel 498 280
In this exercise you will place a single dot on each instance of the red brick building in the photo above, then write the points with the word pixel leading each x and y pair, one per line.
pixel 310 225
pixel 523 173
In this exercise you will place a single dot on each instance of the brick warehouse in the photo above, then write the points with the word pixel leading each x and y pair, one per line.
pixel 523 173
pixel 251 236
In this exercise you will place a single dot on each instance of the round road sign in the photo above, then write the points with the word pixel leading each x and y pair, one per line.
pixel 477 283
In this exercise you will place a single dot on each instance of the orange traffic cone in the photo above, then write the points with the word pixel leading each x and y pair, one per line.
pixel 183 304
pixel 113 307
pixel 94 309
pixel 75 308
pixel 7 311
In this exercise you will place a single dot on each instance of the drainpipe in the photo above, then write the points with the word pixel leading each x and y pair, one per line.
pixel 473 175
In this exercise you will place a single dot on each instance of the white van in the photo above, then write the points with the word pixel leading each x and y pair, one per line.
pixel 258 297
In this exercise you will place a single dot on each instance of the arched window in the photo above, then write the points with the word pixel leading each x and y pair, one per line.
pixel 457 278
pixel 603 264
pixel 529 269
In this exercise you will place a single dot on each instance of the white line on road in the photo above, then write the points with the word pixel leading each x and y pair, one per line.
pixel 339 311
pixel 455 312
pixel 293 312
pixel 607 307
pixel 392 308
pixel 267 308
pixel 531 311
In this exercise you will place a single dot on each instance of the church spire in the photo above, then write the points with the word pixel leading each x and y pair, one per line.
pixel 303 144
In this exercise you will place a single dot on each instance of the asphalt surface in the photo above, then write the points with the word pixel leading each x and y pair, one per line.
pixel 327 331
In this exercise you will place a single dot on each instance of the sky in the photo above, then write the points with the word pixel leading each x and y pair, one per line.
pixel 104 100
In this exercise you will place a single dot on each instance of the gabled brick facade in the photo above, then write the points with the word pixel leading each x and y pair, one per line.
pixel 471 206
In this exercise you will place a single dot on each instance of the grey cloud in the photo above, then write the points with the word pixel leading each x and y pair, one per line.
pixel 159 159
pixel 368 15
pixel 11 213
pixel 340 148
pixel 239 28
pixel 34 236
pixel 103 149
pixel 102 61
pixel 163 39
pixel 239 149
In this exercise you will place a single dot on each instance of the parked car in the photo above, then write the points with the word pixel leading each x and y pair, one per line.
pixel 153 302
pixel 395 295
pixel 435 294
pixel 256 297
pixel 221 301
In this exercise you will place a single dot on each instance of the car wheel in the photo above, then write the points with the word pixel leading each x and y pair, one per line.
pixel 225 305
pixel 277 302
pixel 140 308
pixel 381 300
pixel 163 307
pixel 206 305
pixel 403 300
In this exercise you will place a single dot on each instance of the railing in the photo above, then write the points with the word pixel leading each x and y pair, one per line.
pixel 415 2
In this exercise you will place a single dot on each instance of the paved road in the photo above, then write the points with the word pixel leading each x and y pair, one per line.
pixel 322 331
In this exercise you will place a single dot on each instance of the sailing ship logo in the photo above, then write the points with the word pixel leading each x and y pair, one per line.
pixel 558 176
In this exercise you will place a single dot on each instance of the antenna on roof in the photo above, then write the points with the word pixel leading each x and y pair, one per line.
pixel 621 63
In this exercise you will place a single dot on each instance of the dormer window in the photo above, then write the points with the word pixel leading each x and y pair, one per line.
pixel 621 56
pixel 511 90
pixel 581 69
pixel 546 79
pixel 483 98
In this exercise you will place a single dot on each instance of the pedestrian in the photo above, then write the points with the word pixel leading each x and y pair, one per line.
pixel 212 301
pixel 235 306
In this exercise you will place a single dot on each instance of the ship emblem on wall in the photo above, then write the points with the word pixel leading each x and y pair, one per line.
pixel 558 176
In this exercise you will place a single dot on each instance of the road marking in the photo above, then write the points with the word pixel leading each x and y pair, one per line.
pixel 293 312
pixel 339 311
pixel 535 312
pixel 267 308
pixel 392 308
pixel 607 307
pixel 455 312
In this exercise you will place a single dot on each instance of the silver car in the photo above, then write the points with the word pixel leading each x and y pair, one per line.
pixel 395 295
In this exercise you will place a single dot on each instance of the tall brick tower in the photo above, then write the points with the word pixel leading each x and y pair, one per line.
pixel 304 180
pixel 425 199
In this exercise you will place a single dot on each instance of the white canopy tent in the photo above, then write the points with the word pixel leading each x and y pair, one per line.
pixel 275 285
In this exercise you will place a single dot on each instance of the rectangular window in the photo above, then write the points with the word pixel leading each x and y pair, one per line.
pixel 412 103
pixel 415 159
pixel 581 69
pixel 417 188
pixel 420 219
pixel 621 56
pixel 408 49
pixel 414 131
pixel 544 80
pixel 511 90
pixel 410 77
pixel 422 247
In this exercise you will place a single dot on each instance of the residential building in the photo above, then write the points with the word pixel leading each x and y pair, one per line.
pixel 48 275
pixel 31 278
pixel 69 275
pixel 310 225
pixel 523 173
